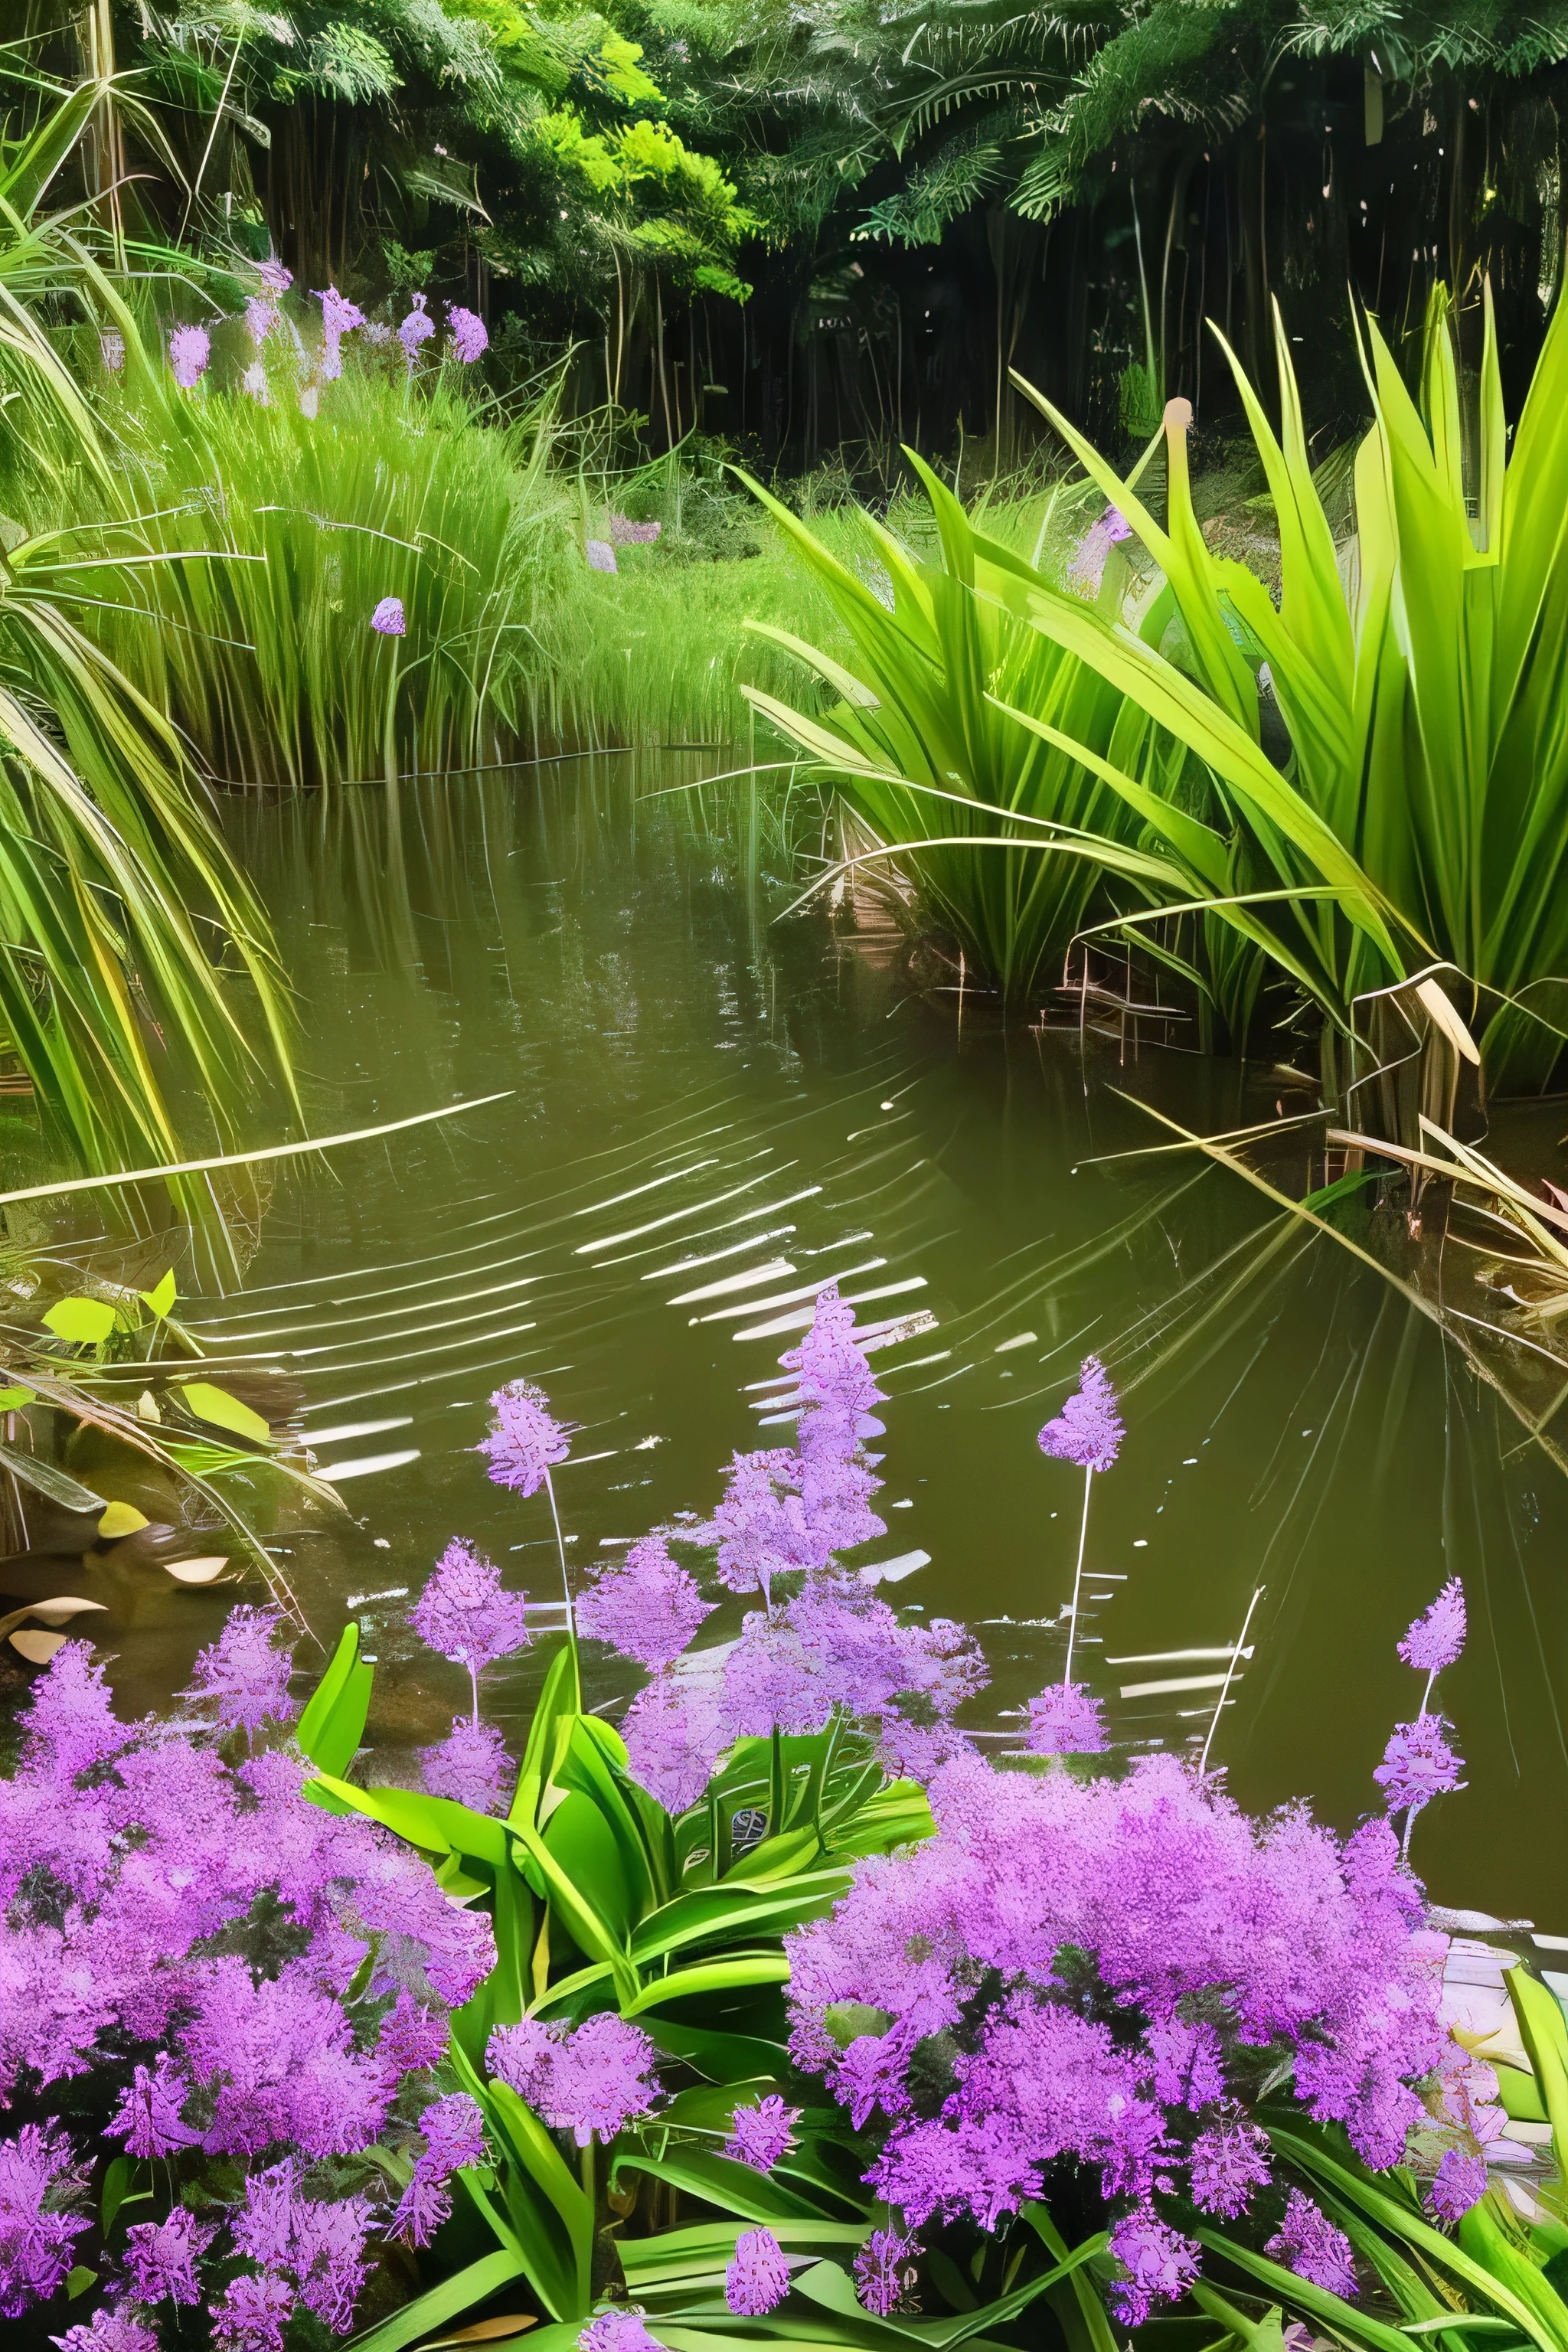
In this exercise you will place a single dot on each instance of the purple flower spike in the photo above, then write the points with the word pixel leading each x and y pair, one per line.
pixel 245 1673
pixel 274 277
pixel 465 1615
pixel 1161 2264
pixel 1461 2182
pixel 35 2245
pixel 1066 1720
pixel 149 2116
pixel 673 1737
pixel 617 2331
pixel 162 2257
pixel 1418 1764
pixel 648 1608
pixel 471 1765
pixel 108 2331
pixel 1229 2161
pixel 1310 2245
pixel 527 1442
pixel 759 2135
pixel 884 2273
pixel 1089 1429
pixel 190 348
pixel 254 2313
pixel 470 336
pixel 597 2078
pixel 339 316
pixel 1438 1636
pixel 387 620
pixel 601 555
pixel 416 328
pixel 454 2132
pixel 758 2279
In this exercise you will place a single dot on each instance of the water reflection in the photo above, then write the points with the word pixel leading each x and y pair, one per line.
pixel 708 1114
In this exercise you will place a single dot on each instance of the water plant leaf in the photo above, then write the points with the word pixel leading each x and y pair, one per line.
pixel 120 1519
pixel 58 1612
pixel 211 1404
pixel 197 1572
pixel 81 1322
pixel 161 1298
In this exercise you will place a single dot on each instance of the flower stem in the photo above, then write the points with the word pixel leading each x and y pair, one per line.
pixel 1078 1574
pixel 560 1548
pixel 474 1680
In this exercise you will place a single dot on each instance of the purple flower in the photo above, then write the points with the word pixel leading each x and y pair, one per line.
pixel 339 316
pixel 328 2257
pixel 1066 1720
pixel 1161 2264
pixel 416 328
pixel 247 1672
pixel 274 277
pixel 601 555
pixel 108 2331
pixel 112 346
pixel 759 2135
pixel 626 533
pixel 1418 1764
pixel 470 336
pixel 162 2257
pixel 1089 1429
pixel 278 2059
pixel 1229 2160
pixel 1438 1636
pixel 526 1442
pixel 1088 566
pixel 471 1765
pixel 675 1737
pixel 596 2079
pixel 149 2116
pixel 884 2273
pixel 1309 2243
pixel 387 620
pixel 411 2038
pixel 37 2174
pixel 648 1608
pixel 1461 2182
pixel 465 1615
pixel 758 2278
pixel 770 1683
pixel 617 2331
pixel 454 2132
pixel 189 351
pixel 254 2313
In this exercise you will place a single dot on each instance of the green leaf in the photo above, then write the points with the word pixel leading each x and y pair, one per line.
pixel 722 2057
pixel 56 1486
pixel 78 2281
pixel 711 1914
pixel 733 2188
pixel 717 1976
pixel 332 1725
pixel 12 1397
pixel 435 1824
pixel 1343 2318
pixel 84 1322
pixel 161 1298
pixel 211 1404
pixel 120 1519
pixel 457 2293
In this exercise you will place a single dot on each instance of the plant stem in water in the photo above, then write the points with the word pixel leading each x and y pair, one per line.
pixel 1078 1574
pixel 561 1549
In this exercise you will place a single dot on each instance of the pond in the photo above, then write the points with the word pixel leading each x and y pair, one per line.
pixel 707 1110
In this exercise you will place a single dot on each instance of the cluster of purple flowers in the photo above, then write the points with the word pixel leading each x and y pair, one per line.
pixel 1146 1954
pixel 595 2079
pixel 190 347
pixel 283 1959
pixel 1418 1763
pixel 821 1640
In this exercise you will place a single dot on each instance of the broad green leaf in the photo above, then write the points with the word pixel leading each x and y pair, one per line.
pixel 10 1398
pixel 211 1404
pixel 435 1824
pixel 120 1519
pixel 716 1976
pixel 1344 2319
pixel 722 2057
pixel 161 1298
pixel 1544 2033
pixel 733 2188
pixel 332 1725
pixel 457 2293
pixel 83 1322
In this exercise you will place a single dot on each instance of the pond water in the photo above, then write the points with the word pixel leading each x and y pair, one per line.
pixel 706 1112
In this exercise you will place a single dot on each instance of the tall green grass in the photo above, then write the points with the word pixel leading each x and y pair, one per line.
pixel 124 923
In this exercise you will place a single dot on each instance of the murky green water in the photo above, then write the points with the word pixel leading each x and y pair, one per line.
pixel 696 1095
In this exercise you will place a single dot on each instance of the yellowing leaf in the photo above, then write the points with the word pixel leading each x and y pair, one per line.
pixel 37 1648
pixel 211 1404
pixel 162 1298
pixel 11 1398
pixel 63 1606
pixel 198 1571
pixel 86 1321
pixel 484 2331
pixel 120 1519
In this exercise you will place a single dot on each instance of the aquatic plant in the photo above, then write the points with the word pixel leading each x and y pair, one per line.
pixel 1087 1431
pixel 1418 1763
